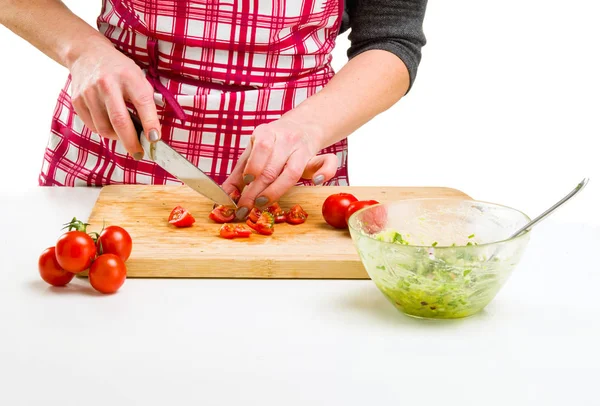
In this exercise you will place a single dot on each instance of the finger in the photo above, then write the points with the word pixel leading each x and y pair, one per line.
pixel 99 116
pixel 141 94
pixel 84 113
pixel 262 148
pixel 288 178
pixel 253 193
pixel 121 122
pixel 321 168
pixel 235 179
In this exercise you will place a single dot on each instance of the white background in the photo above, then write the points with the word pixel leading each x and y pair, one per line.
pixel 506 106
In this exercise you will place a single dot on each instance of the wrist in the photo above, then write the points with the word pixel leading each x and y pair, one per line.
pixel 75 49
pixel 314 129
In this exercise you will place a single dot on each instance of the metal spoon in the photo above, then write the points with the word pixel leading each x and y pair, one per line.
pixel 545 214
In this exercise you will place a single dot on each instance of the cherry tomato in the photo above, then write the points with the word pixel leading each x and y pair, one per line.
pixel 265 224
pixel 356 206
pixel 108 273
pixel 75 251
pixel 50 270
pixel 254 214
pixel 231 231
pixel 115 240
pixel 375 219
pixel 235 195
pixel 334 209
pixel 180 217
pixel 277 212
pixel 296 215
pixel 222 214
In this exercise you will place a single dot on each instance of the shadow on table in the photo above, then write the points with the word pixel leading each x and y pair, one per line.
pixel 372 303
pixel 75 287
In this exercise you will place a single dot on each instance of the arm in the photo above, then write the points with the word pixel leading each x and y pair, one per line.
pixel 386 40
pixel 103 78
pixel 385 52
pixel 36 22
pixel 366 86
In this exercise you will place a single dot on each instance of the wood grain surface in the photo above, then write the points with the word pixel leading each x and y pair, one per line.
pixel 311 250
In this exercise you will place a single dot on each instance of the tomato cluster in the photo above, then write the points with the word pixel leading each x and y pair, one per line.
pixel 75 251
pixel 338 208
pixel 261 221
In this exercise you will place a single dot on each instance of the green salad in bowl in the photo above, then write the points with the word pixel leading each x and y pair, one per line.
pixel 439 258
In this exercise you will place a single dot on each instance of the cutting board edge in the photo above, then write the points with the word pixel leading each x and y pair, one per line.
pixel 238 269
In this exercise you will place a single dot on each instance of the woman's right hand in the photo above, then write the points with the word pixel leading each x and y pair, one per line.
pixel 102 80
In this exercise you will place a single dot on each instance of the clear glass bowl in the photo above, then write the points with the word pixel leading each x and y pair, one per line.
pixel 439 258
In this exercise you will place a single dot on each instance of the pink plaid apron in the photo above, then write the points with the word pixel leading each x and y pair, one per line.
pixel 219 69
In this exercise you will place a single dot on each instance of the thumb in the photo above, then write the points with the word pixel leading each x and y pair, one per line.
pixel 321 168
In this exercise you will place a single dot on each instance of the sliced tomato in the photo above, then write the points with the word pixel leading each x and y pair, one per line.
pixel 356 206
pixel 254 214
pixel 180 217
pixel 222 214
pixel 296 215
pixel 242 232
pixel 277 212
pixel 231 231
pixel 265 224
pixel 235 196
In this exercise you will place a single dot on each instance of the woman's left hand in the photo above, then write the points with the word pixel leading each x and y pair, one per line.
pixel 279 155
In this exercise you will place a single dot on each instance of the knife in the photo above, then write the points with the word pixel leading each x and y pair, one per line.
pixel 174 163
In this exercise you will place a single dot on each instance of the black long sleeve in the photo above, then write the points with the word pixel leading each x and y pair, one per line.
pixel 391 25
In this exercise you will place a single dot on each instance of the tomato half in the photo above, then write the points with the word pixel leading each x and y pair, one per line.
pixel 235 196
pixel 222 214
pixel 254 215
pixel 75 251
pixel 115 240
pixel 334 209
pixel 265 224
pixel 108 273
pixel 180 217
pixel 296 215
pixel 277 212
pixel 50 270
pixel 231 231
pixel 356 206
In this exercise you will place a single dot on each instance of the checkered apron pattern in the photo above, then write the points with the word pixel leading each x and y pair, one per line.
pixel 219 69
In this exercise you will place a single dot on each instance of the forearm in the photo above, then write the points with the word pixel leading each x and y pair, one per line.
pixel 367 85
pixel 50 27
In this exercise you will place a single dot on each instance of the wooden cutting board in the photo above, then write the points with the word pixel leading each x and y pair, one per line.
pixel 311 250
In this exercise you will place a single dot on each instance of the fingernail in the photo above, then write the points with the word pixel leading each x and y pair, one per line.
pixel 248 179
pixel 318 180
pixel 241 213
pixel 261 201
pixel 138 156
pixel 153 135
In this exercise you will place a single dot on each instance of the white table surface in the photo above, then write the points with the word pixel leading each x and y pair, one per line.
pixel 272 342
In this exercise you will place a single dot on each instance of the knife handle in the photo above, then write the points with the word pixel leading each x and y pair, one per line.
pixel 137 124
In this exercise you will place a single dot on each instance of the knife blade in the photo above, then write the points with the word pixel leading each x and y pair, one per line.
pixel 176 164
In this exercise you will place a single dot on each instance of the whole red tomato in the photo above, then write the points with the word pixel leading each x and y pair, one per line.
pixel 356 206
pixel 108 273
pixel 50 270
pixel 115 240
pixel 334 209
pixel 75 251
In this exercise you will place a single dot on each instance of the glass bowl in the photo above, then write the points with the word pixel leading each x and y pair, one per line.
pixel 439 258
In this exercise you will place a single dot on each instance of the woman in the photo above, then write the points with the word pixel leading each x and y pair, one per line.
pixel 243 89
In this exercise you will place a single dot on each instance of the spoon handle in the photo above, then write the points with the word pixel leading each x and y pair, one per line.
pixel 542 216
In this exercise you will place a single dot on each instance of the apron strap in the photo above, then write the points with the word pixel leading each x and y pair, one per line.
pixel 153 78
